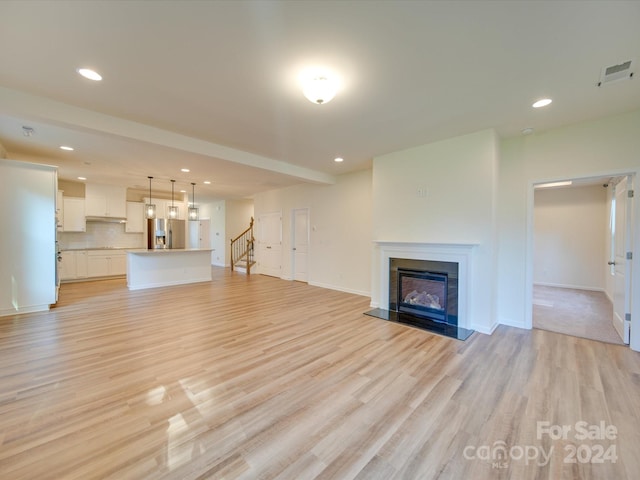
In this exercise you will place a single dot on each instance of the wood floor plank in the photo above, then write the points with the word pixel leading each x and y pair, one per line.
pixel 260 378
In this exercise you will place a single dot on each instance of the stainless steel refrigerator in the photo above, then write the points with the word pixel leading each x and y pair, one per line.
pixel 169 233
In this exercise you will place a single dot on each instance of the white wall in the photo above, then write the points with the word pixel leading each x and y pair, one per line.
pixel 596 148
pixel 340 238
pixel 570 227
pixel 459 176
pixel 27 241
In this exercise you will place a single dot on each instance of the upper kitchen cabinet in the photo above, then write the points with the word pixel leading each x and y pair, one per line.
pixel 74 215
pixel 105 201
pixel 135 218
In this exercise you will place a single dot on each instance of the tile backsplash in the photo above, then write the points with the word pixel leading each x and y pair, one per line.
pixel 101 235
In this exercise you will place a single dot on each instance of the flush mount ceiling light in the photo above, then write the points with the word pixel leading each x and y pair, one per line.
pixel 185 170
pixel 90 74
pixel 82 178
pixel 319 88
pixel 338 159
pixel 542 103
pixel 67 148
pixel 207 182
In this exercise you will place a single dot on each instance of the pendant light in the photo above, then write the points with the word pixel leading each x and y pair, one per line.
pixel 150 208
pixel 193 210
pixel 173 211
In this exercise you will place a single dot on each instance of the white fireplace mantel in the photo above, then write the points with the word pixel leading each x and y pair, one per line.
pixel 460 253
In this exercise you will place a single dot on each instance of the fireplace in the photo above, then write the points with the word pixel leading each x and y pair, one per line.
pixel 425 286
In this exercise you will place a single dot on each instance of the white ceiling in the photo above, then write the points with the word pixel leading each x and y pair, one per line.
pixel 213 85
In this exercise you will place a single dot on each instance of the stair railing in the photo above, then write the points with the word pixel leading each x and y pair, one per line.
pixel 242 247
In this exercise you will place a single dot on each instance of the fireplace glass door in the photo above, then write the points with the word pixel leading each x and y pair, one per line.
pixel 423 293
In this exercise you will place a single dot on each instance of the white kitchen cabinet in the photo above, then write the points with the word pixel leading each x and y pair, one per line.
pixel 97 266
pixel 74 215
pixel 67 266
pixel 106 263
pixel 73 264
pixel 135 218
pixel 106 201
pixel 118 264
pixel 81 264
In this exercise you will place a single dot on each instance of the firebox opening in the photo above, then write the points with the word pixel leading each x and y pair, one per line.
pixel 424 289
pixel 423 293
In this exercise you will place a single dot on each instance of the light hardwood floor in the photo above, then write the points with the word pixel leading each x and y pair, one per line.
pixel 259 378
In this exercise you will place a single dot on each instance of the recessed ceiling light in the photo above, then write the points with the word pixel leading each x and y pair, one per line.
pixel 542 103
pixel 207 182
pixel 338 159
pixel 183 191
pixel 82 178
pixel 185 170
pixel 90 74
pixel 65 147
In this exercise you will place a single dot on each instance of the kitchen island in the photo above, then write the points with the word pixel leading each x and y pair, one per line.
pixel 165 267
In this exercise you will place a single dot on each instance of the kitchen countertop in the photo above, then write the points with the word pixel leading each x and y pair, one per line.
pixel 164 251
pixel 93 248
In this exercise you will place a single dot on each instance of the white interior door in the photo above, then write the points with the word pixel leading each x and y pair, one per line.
pixel 300 244
pixel 621 263
pixel 203 239
pixel 270 244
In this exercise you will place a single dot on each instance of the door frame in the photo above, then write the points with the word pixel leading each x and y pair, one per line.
pixel 635 248
pixel 293 240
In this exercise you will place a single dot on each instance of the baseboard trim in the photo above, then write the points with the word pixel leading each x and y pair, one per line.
pixel 340 289
pixel 573 287
pixel 485 330
pixel 512 323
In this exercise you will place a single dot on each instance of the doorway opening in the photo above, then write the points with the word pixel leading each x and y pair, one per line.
pixel 579 233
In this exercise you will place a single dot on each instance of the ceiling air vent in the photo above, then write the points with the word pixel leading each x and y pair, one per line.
pixel 622 71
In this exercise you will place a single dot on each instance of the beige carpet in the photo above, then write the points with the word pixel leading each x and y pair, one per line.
pixel 581 313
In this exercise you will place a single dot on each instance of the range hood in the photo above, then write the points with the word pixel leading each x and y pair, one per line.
pixel 106 219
